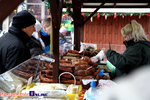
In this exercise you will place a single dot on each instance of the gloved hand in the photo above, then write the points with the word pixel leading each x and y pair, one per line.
pixel 99 56
pixel 94 59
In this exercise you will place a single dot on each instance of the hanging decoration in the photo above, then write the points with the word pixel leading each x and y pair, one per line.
pixel 131 15
pixel 98 16
pixel 68 1
pixel 69 12
pixel 65 15
pixel 91 19
pixel 112 14
pixel 140 16
pixel 106 15
pixel 48 6
pixel 147 15
pixel 122 15
pixel 115 15
pixel 83 15
pixel 68 4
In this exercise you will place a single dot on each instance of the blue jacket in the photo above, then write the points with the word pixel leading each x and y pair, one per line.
pixel 46 40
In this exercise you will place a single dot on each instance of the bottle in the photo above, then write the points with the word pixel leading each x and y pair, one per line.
pixel 92 93
pixel 99 76
pixel 101 72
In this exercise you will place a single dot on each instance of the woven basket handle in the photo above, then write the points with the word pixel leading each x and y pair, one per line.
pixel 70 74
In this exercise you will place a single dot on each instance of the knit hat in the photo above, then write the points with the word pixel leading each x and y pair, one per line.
pixel 63 30
pixel 23 19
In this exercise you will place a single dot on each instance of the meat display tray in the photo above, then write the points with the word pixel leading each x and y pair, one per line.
pixel 20 74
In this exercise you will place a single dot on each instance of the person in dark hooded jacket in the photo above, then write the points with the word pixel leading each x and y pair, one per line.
pixel 137 53
pixel 13 49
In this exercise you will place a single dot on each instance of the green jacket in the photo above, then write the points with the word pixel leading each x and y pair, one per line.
pixel 136 54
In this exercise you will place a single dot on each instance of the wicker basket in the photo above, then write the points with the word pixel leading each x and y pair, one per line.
pixel 67 73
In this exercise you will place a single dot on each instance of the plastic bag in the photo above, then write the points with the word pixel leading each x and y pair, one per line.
pixel 85 45
pixel 64 48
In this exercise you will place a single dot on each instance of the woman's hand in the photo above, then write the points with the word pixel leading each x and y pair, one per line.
pixel 105 50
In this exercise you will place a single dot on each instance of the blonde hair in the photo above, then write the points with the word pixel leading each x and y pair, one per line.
pixel 138 33
pixel 46 22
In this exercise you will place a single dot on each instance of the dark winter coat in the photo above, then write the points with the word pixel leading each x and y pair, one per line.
pixel 35 47
pixel 136 54
pixel 13 49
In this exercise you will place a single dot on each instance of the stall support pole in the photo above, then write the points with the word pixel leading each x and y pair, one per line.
pixel 56 12
pixel 76 4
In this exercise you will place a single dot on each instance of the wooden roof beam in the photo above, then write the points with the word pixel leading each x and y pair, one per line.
pixel 148 5
pixel 143 6
pixel 7 7
pixel 93 13
pixel 116 1
pixel 114 5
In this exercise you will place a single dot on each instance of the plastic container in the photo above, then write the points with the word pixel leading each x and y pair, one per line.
pixel 92 93
pixel 101 72
pixel 111 67
pixel 99 76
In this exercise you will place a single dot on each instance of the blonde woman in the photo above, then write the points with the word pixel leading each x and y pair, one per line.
pixel 137 51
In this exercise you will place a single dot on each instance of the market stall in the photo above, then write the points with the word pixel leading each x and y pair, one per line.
pixel 76 71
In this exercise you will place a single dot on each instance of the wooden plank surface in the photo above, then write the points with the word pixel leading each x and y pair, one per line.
pixel 110 30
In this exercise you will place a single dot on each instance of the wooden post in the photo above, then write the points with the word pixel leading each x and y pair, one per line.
pixel 56 12
pixel 76 4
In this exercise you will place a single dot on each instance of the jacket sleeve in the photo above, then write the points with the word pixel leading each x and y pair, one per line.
pixel 67 41
pixel 61 41
pixel 15 56
pixel 35 51
pixel 130 59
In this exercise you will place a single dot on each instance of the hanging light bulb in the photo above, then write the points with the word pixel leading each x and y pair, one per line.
pixel 15 10
pixel 122 15
pixel 140 16
pixel 106 17
pixel 91 19
pixel 103 14
pixel 29 9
